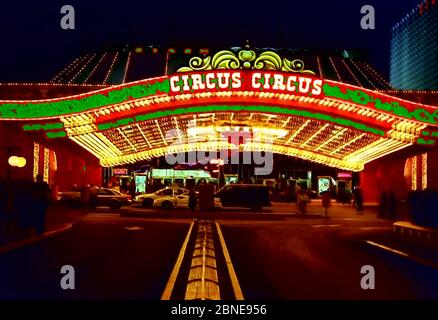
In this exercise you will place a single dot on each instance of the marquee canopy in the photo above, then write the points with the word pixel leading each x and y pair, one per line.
pixel 271 103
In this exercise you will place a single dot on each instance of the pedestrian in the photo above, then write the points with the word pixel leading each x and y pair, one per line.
pixel 325 201
pixel 25 211
pixel 359 200
pixel 94 190
pixel 41 199
pixel 383 205
pixel 302 200
pixel 192 199
pixel 5 211
pixel 392 204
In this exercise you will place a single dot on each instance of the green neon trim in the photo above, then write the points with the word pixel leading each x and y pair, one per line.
pixel 45 126
pixel 35 109
pixel 435 134
pixel 425 133
pixel 266 109
pixel 423 141
pixel 56 134
pixel 66 107
pixel 362 98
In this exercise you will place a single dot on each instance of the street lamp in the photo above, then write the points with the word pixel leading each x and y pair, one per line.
pixel 15 161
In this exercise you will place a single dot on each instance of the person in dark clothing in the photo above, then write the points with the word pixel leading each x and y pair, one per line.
pixel 94 190
pixel 24 218
pixel 326 202
pixel 192 199
pixel 358 196
pixel 383 205
pixel 40 199
pixel 392 205
pixel 302 199
pixel 6 199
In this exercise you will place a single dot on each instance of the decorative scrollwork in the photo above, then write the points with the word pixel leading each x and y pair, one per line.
pixel 197 64
pixel 295 66
pixel 225 60
pixel 245 59
pixel 268 60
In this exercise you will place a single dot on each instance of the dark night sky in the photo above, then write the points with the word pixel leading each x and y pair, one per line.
pixel 34 47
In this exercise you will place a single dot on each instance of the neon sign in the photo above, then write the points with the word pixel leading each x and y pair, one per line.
pixel 120 171
pixel 252 81
pixel 344 175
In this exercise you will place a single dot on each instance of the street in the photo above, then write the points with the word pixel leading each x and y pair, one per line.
pixel 315 261
pixel 110 261
pixel 275 255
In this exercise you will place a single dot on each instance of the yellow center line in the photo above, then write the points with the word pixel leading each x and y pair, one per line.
pixel 235 283
pixel 172 279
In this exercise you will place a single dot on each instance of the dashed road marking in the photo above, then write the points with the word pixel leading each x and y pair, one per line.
pixel 324 225
pixel 375 228
pixel 134 228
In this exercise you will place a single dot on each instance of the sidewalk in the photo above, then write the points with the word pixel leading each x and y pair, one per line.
pixel 336 210
pixel 58 220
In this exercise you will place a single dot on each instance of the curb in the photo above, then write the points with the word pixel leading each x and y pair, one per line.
pixel 403 254
pixel 45 235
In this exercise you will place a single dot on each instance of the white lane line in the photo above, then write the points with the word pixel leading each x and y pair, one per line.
pixel 234 282
pixel 403 254
pixel 324 225
pixel 25 242
pixel 134 228
pixel 172 279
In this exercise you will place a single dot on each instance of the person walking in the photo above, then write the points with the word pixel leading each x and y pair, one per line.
pixel 383 205
pixel 193 201
pixel 302 200
pixel 325 201
pixel 359 200
pixel 392 205
pixel 41 199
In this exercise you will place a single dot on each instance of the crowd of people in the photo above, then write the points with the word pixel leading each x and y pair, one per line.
pixel 23 206
pixel 387 206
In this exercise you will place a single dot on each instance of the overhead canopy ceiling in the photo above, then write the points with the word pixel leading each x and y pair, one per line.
pixel 309 139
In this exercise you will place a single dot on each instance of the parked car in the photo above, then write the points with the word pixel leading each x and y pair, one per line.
pixel 254 196
pixel 69 195
pixel 166 198
pixel 112 198
pixel 104 197
pixel 70 198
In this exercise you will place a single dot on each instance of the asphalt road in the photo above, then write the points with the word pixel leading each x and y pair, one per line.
pixel 275 256
pixel 321 259
pixel 110 262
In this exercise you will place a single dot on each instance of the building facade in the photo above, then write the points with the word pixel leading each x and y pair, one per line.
pixel 109 109
pixel 414 49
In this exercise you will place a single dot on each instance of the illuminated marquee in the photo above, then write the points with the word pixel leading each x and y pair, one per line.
pixel 319 120
pixel 237 80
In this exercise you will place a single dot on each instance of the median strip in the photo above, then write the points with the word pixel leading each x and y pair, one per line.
pixel 203 282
